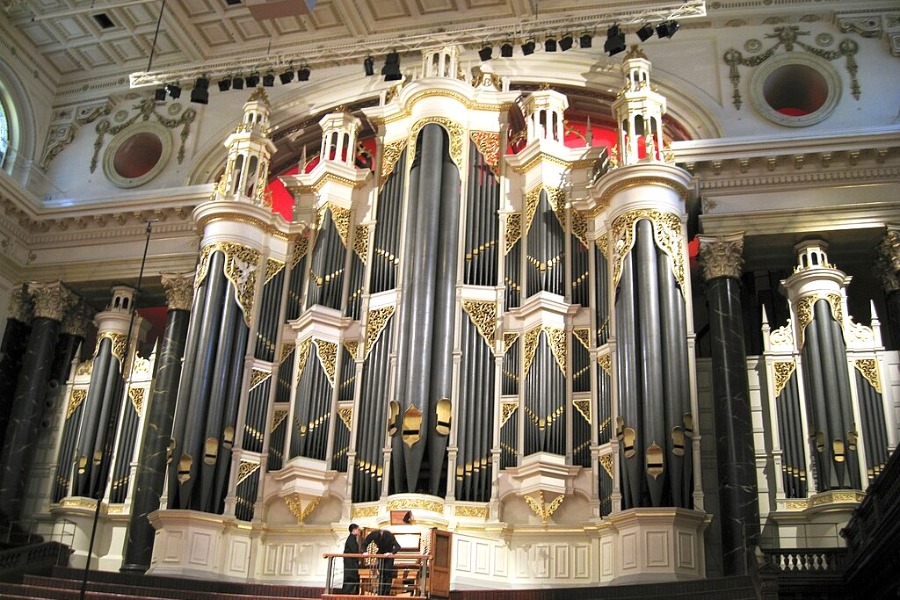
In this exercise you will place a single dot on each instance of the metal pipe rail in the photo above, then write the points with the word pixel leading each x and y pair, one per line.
pixel 421 562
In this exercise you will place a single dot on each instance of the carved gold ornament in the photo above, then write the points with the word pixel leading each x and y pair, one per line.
pixel 241 266
pixel 327 352
pixel 805 312
pixel 507 409
pixel 531 344
pixel 868 368
pixel 488 144
pixel 583 335
pixel 435 506
pixel 364 511
pixel 555 198
pixel 476 512
pixel 509 338
pixel 361 242
pixel 783 372
pixel 246 469
pixel 580 228
pixel 346 416
pixel 666 234
pixel 605 362
pixel 303 357
pixel 606 461
pixel 273 267
pixel 136 395
pixel 602 243
pixel 294 503
pixel 484 316
pixel 454 131
pixel 277 419
pixel 352 347
pixel 78 397
pixel 389 156
pixel 117 343
pixel 541 509
pixel 376 321
pixel 584 408
pixel 257 376
pixel 300 247
pixel 513 230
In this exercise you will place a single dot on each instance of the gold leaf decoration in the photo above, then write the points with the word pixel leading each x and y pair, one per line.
pixel 605 362
pixel 541 509
pixel 583 335
pixel 513 230
pixel 389 156
pixel 352 347
pixel 580 228
pixel 531 344
pixel 507 409
pixel 278 418
pixel 478 512
pixel 484 316
pixel 454 131
pixel 257 376
pixel 78 397
pixel 273 267
pixel 137 398
pixel 584 408
pixel 868 368
pixel 509 338
pixel 488 144
pixel 303 352
pixel 783 372
pixel 301 246
pixel 361 242
pixel 375 323
pixel 327 353
pixel 294 503
pixel 245 469
pixel 666 234
pixel 116 339
pixel 607 462
pixel 557 341
pixel 346 415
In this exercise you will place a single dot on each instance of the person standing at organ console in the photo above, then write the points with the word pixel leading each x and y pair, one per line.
pixel 351 564
pixel 387 545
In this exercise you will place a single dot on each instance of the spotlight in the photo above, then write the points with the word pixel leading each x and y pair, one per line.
pixel 550 45
pixel 506 50
pixel 485 53
pixel 369 66
pixel 565 42
pixel 252 80
pixel 287 76
pixel 269 79
pixel 585 41
pixel 174 90
pixel 159 95
pixel 391 68
pixel 615 41
pixel 645 32
pixel 238 83
pixel 528 47
pixel 225 84
pixel 303 73
pixel 200 93
pixel 667 29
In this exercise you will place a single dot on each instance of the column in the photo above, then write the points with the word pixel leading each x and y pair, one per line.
pixel 722 259
pixel 151 468
pixel 51 302
pixel 15 339
pixel 887 269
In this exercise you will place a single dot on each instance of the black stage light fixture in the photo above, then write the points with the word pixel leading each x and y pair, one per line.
pixel 174 90
pixel 667 29
pixel 159 95
pixel 252 80
pixel 303 73
pixel 225 84
pixel 391 68
pixel 506 50
pixel 586 40
pixel 238 83
pixel 528 47
pixel 200 93
pixel 550 45
pixel 287 76
pixel 615 40
pixel 369 66
pixel 565 42
pixel 645 32
pixel 485 53
pixel 269 79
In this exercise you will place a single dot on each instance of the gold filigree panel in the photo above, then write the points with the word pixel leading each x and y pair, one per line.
pixel 509 338
pixel 389 157
pixel 273 267
pixel 666 235
pixel 543 509
pixel 241 266
pixel 300 248
pixel 352 348
pixel 375 323
pixel 257 376
pixel 507 409
pixel 531 343
pixel 513 230
pixel 583 335
pixel 454 131
pixel 346 416
pixel 580 228
pixel 484 316
pixel 584 408
pixel 76 400
pixel 246 469
pixel 783 372
pixel 868 368
pixel 118 343
pixel 805 313
pixel 327 353
pixel 488 144
pixel 606 461
pixel 294 502
pixel 137 398
pixel 416 503
pixel 477 512
pixel 303 357
pixel 278 418
pixel 605 362
pixel 361 242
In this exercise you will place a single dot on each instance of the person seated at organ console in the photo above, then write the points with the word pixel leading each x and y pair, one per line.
pixel 386 544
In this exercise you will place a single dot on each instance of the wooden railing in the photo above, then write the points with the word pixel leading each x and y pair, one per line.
pixel 410 572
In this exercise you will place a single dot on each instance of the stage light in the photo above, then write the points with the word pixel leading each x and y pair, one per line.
pixel 550 45
pixel 565 42
pixel 506 50
pixel 303 73
pixel 238 83
pixel 369 66
pixel 667 29
pixel 159 95
pixel 252 80
pixel 287 76
pixel 225 84
pixel 200 93
pixel 528 47
pixel 391 68
pixel 586 40
pixel 615 40
pixel 174 90
pixel 485 53
pixel 645 32
pixel 269 79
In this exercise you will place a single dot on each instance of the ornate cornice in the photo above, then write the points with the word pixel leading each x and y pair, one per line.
pixel 722 256
pixel 179 289
pixel 20 306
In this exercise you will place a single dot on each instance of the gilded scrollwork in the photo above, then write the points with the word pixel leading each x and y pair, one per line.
pixel 606 461
pixel 488 144
pixel 389 156
pixel 303 357
pixel 477 512
pixel 352 348
pixel 542 509
pixel 273 267
pixel 136 394
pixel 361 242
pixel 513 230
pixel 507 409
pixel 804 309
pixel 868 368
pixel 435 506
pixel 78 397
pixel 666 234
pixel 605 362
pixel 557 340
pixel 117 340
pixel 454 130
pixel 602 243
pixel 583 335
pixel 783 371
pixel 241 267
pixel 327 353
pixel 375 323
pixel 294 503
pixel 341 218
pixel 531 344
pixel 346 415
pixel 484 316
pixel 300 247
pixel 580 228
pixel 246 469
pixel 509 338
pixel 278 418
pixel 583 407
pixel 257 376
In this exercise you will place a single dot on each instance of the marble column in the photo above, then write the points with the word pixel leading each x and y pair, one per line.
pixel 51 302
pixel 15 339
pixel 153 459
pixel 887 269
pixel 721 259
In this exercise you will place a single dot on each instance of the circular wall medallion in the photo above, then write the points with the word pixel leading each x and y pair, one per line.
pixel 795 89
pixel 137 154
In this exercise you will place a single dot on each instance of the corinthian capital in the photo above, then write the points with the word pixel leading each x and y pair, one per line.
pixel 179 290
pixel 78 319
pixel 722 256
pixel 20 307
pixel 887 260
pixel 51 300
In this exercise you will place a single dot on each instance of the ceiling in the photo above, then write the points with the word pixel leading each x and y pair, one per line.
pixel 72 44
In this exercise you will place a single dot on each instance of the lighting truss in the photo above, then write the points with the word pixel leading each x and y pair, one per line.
pixel 353 51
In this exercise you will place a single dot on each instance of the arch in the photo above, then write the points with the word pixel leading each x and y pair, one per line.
pixel 15 102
